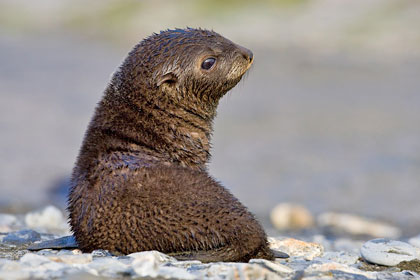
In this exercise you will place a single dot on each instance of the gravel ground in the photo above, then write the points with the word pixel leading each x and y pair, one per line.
pixel 314 257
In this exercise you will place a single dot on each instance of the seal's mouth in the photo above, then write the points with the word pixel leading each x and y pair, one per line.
pixel 247 55
pixel 250 64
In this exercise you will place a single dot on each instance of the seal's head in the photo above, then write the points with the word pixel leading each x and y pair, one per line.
pixel 186 63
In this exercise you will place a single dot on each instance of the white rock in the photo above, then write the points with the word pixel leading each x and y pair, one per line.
pixel 357 225
pixel 333 266
pixel 298 248
pixel 146 264
pixel 8 222
pixel 339 257
pixel 50 218
pixel 415 241
pixel 152 255
pixel 272 265
pixel 186 264
pixel 51 269
pixel 237 271
pixel 72 259
pixel 387 252
pixel 12 270
pixel 108 267
pixel 287 216
pixel 171 272
pixel 34 260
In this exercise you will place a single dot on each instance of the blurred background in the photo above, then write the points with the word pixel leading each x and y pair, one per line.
pixel 328 117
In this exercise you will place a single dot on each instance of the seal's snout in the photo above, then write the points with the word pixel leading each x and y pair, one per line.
pixel 247 54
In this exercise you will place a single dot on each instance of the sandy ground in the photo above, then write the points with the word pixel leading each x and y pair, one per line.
pixel 335 132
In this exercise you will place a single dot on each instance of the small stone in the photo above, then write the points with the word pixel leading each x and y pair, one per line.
pixel 152 255
pixel 47 252
pixel 22 237
pixel 64 252
pixel 12 270
pixel 298 248
pixel 77 252
pixel 236 271
pixel 171 272
pixel 289 216
pixel 387 252
pixel 109 267
pixel 146 264
pixel 100 253
pixel 8 223
pixel 50 219
pixel 356 225
pixel 338 271
pixel 272 265
pixel 33 260
pixel 415 241
pixel 72 259
pixel 58 243
pixel 340 257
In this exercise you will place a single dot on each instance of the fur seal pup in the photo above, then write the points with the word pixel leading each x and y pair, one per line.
pixel 140 182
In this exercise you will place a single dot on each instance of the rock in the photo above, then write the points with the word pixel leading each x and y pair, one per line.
pixel 341 257
pixel 72 259
pixel 387 252
pixel 415 241
pixel 338 271
pixel 272 265
pixel 356 225
pixel 66 242
pixel 50 219
pixel 34 260
pixel 146 264
pixel 109 267
pixel 170 272
pixel 156 256
pixel 12 270
pixel 237 271
pixel 8 223
pixel 288 216
pixel 22 237
pixel 100 253
pixel 294 247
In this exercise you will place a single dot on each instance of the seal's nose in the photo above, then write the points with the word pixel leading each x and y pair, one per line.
pixel 247 54
pixel 250 56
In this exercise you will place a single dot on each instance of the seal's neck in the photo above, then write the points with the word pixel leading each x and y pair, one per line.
pixel 153 127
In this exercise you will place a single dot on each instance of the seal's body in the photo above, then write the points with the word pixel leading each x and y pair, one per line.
pixel 140 181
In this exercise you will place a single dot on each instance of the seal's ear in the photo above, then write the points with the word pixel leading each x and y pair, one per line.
pixel 169 78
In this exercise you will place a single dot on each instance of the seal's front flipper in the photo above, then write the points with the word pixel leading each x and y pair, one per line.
pixel 280 254
pixel 66 242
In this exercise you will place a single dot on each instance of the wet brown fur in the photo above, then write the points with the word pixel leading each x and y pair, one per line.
pixel 140 182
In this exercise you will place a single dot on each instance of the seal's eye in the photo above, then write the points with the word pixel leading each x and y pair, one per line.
pixel 208 63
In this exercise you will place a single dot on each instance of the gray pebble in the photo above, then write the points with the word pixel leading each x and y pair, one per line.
pixel 22 237
pixel 342 257
pixel 100 253
pixel 387 252
pixel 66 242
